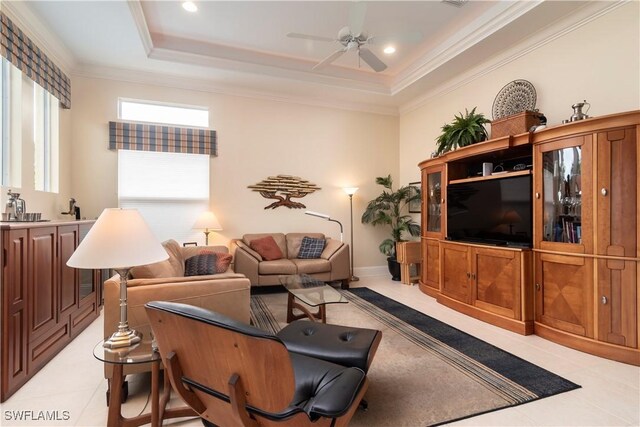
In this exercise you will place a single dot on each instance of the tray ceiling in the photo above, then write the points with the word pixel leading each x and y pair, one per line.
pixel 243 44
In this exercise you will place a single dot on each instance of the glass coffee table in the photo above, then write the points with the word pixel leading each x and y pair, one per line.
pixel 312 293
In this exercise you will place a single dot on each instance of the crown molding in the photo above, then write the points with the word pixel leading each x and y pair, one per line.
pixel 210 86
pixel 230 58
pixel 141 24
pixel 487 24
pixel 590 12
pixel 40 34
pixel 301 72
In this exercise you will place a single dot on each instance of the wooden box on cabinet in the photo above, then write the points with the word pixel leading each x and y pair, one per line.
pixel 515 124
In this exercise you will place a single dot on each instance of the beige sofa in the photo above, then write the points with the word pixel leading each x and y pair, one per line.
pixel 227 293
pixel 333 264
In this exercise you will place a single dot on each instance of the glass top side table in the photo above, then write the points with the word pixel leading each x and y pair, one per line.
pixel 142 352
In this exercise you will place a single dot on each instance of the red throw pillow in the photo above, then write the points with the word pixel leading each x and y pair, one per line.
pixel 267 248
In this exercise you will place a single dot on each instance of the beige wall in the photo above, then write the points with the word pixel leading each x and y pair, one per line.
pixel 333 148
pixel 257 138
pixel 598 62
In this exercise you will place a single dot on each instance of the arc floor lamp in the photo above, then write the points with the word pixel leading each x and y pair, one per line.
pixel 328 218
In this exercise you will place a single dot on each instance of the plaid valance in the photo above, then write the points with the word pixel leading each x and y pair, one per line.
pixel 25 55
pixel 146 137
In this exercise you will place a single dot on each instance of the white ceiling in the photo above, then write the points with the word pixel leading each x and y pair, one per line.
pixel 242 47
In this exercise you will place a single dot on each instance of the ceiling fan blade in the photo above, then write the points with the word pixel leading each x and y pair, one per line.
pixel 329 59
pixel 371 59
pixel 357 12
pixel 310 37
pixel 406 37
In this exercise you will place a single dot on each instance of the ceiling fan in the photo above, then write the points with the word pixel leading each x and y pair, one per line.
pixel 353 38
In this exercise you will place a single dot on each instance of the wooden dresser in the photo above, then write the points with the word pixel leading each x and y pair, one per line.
pixel 45 303
pixel 577 284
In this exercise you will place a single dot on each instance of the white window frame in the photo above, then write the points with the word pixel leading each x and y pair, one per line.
pixel 172 112
pixel 46 139
pixel 10 124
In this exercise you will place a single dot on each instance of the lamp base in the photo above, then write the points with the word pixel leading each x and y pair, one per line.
pixel 354 279
pixel 125 338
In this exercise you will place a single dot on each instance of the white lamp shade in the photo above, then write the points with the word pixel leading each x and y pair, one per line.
pixel 207 220
pixel 120 238
pixel 350 190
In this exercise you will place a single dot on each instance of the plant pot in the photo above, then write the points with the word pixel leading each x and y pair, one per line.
pixel 394 268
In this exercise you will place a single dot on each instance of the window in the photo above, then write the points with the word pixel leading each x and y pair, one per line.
pixel 147 111
pixel 45 134
pixel 10 124
pixel 169 189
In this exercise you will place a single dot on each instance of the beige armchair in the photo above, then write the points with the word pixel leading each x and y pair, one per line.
pixel 227 293
pixel 333 264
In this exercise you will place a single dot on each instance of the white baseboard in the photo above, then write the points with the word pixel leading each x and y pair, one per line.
pixel 379 270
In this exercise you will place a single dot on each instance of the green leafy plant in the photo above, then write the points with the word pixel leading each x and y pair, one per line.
pixel 464 130
pixel 387 210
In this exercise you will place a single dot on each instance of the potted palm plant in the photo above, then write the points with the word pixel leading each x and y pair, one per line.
pixel 388 209
pixel 464 130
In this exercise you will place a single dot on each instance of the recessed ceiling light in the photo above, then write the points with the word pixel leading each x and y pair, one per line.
pixel 189 6
pixel 389 50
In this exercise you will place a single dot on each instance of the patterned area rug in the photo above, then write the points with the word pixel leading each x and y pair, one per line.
pixel 425 372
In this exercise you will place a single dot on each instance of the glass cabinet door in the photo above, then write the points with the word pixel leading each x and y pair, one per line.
pixel 563 188
pixel 86 282
pixel 562 183
pixel 433 202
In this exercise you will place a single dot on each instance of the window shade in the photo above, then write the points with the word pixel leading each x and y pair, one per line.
pixel 171 139
pixel 25 55
pixel 169 189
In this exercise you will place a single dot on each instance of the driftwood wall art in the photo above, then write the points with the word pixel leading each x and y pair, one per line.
pixel 283 188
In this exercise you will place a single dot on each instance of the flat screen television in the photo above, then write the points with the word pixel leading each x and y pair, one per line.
pixel 496 211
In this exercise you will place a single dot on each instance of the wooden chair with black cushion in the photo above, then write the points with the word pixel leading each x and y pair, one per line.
pixel 233 374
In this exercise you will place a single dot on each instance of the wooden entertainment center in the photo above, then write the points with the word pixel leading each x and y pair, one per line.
pixel 577 283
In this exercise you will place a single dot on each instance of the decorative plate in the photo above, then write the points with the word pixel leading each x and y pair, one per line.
pixel 514 98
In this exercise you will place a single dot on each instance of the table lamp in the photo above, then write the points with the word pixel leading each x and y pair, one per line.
pixel 120 239
pixel 207 221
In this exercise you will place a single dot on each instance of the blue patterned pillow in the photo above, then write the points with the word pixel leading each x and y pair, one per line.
pixel 311 248
pixel 207 263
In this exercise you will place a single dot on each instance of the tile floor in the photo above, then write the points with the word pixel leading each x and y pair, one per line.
pixel 610 394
